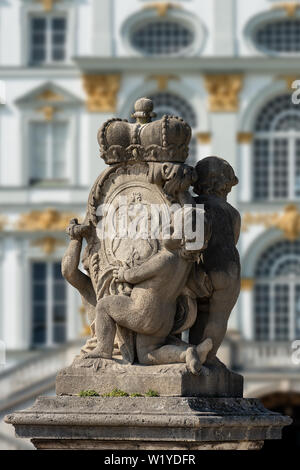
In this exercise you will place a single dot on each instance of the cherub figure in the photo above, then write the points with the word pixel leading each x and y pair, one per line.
pixel 81 281
pixel 215 178
pixel 151 308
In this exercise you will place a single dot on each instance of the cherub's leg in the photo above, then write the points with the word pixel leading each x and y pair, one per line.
pixel 112 310
pixel 152 351
pixel 226 292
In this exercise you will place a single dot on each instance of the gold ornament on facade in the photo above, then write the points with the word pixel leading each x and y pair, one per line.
pixel 223 92
pixel 48 4
pixel 163 80
pixel 203 137
pixel 101 92
pixel 289 7
pixel 48 112
pixel 288 222
pixel 247 284
pixel 244 137
pixel 162 7
pixel 48 244
pixel 47 220
pixel 49 95
pixel 3 222
pixel 289 80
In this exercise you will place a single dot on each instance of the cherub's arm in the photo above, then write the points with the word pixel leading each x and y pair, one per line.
pixel 146 270
pixel 70 271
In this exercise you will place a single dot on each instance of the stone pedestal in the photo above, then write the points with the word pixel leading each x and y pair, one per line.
pixel 104 375
pixel 152 423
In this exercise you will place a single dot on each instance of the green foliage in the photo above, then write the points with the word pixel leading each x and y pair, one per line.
pixel 151 393
pixel 88 393
pixel 136 395
pixel 116 392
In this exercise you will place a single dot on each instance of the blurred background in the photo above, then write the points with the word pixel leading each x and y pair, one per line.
pixel 228 68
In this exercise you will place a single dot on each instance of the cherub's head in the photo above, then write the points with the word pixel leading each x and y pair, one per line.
pixel 214 176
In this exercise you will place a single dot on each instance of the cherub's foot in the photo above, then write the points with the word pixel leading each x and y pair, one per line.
pixel 203 349
pixel 97 352
pixel 192 361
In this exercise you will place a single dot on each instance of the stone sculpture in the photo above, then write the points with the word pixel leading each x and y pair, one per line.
pixel 152 274
pixel 146 288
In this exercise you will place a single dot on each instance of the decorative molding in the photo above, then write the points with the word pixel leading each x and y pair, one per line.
pixel 48 244
pixel 49 95
pixel 46 220
pixel 288 222
pixel 289 79
pixel 247 284
pixel 48 112
pixel 203 137
pixel 245 137
pixel 289 7
pixel 3 221
pixel 163 80
pixel 101 92
pixel 162 7
pixel 223 92
pixel 47 4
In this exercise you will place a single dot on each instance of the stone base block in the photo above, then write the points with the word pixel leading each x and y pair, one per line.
pixel 157 423
pixel 168 380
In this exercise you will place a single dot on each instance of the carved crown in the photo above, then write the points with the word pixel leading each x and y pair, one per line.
pixel 165 140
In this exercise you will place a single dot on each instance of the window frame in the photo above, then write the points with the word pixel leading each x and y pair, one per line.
pixel 68 115
pixel 259 21
pixel 274 281
pixel 291 136
pixel 48 43
pixel 49 305
pixel 63 8
pixel 191 22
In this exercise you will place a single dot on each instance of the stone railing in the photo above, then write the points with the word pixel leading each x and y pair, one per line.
pixel 35 370
pixel 253 355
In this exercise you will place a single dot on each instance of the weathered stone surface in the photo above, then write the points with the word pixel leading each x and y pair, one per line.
pixel 167 380
pixel 148 423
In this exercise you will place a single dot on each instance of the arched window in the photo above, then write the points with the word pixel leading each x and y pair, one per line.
pixel 174 105
pixel 161 37
pixel 280 36
pixel 277 293
pixel 276 147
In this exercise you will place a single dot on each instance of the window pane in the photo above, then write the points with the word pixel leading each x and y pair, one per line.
pixel 39 271
pixel 261 160
pixel 59 333
pixel 59 143
pixel 38 150
pixel 58 39
pixel 281 168
pixel 279 36
pixel 59 291
pixel 39 303
pixel 38 40
pixel 262 311
pixel 281 292
pixel 162 38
